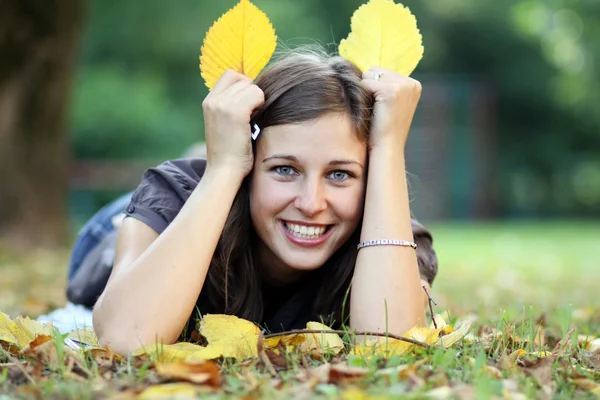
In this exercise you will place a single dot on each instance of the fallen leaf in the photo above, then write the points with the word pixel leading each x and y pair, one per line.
pixel 586 384
pixel 386 346
pixel 382 346
pixel 543 371
pixel 594 346
pixel 343 374
pixel 85 335
pixel 227 336
pixel 182 351
pixel 206 372
pixel 353 393
pixel 461 330
pixel 315 344
pixel 34 327
pixel 170 391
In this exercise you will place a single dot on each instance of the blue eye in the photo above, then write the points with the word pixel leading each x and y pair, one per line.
pixel 340 175
pixel 284 170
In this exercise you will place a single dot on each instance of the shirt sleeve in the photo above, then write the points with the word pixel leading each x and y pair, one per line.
pixel 164 190
pixel 426 257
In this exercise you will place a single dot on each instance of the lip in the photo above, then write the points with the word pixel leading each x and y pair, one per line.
pixel 304 242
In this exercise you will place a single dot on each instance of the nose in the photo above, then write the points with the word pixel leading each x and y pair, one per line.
pixel 311 198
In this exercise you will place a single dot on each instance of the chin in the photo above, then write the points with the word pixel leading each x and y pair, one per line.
pixel 304 263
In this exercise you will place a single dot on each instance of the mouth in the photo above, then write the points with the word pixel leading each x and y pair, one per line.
pixel 306 235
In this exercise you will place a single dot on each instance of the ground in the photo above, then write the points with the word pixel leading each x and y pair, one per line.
pixel 527 284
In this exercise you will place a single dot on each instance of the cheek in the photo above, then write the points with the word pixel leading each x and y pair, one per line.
pixel 267 198
pixel 349 204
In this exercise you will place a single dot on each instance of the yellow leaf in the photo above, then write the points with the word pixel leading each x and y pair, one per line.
pixel 459 333
pixel 386 347
pixel 7 330
pixel 34 327
pixel 384 35
pixel 381 346
pixel 243 39
pixel 85 335
pixel 21 331
pixel 227 336
pixel 422 334
pixel 321 343
pixel 170 391
pixel 315 344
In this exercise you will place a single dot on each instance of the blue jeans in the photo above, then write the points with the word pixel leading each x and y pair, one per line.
pixel 95 230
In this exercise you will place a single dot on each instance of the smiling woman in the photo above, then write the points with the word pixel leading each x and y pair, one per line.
pixel 268 229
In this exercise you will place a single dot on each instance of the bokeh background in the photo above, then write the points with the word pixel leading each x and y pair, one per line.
pixel 504 154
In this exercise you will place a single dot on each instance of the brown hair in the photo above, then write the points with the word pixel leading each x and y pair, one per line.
pixel 300 86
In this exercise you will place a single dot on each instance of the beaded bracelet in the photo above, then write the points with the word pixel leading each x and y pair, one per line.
pixel 386 242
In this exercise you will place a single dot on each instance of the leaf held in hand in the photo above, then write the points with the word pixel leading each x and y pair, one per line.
pixel 384 34
pixel 243 39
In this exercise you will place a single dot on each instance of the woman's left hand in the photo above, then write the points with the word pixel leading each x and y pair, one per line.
pixel 396 99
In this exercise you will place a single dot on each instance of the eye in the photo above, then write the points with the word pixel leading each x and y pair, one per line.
pixel 340 175
pixel 284 170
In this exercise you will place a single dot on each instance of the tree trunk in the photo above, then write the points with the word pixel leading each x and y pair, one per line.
pixel 37 55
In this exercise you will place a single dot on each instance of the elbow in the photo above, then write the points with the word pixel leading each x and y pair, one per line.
pixel 123 337
pixel 114 335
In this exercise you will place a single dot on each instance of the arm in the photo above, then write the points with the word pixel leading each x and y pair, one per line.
pixel 156 279
pixel 388 276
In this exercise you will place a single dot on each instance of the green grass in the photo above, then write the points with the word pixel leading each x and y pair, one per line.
pixel 518 279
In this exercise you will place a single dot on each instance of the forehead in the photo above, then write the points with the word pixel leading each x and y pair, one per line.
pixel 329 136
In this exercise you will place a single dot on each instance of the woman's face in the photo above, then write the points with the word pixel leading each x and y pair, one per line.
pixel 307 193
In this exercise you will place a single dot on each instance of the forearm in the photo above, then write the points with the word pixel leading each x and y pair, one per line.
pixel 386 278
pixel 150 298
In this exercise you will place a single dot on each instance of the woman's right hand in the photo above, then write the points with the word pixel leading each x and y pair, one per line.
pixel 227 111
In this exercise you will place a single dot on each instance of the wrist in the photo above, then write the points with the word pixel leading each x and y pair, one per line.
pixel 389 146
pixel 228 173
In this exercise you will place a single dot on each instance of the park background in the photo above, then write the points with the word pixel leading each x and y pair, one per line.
pixel 504 153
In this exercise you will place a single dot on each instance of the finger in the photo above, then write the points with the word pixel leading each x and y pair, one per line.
pixel 251 97
pixel 228 78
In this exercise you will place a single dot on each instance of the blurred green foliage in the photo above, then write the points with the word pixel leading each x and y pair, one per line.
pixel 138 92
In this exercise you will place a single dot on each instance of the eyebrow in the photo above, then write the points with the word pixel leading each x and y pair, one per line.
pixel 295 159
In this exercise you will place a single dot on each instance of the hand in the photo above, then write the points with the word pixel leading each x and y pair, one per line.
pixel 227 110
pixel 396 99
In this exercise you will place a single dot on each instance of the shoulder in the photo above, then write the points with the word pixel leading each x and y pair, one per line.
pixel 163 191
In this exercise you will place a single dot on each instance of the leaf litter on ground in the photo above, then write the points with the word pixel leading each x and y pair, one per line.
pixel 458 359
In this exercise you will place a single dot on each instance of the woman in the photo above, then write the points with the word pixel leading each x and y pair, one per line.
pixel 268 230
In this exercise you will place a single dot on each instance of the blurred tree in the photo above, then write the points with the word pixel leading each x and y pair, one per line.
pixel 37 42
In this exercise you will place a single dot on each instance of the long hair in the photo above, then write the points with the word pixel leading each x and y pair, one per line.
pixel 300 86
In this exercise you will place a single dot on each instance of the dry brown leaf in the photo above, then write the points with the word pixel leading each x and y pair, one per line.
pixel 543 371
pixel 206 372
pixel 586 384
pixel 343 374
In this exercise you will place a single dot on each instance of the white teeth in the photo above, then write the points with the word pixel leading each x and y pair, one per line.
pixel 302 231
